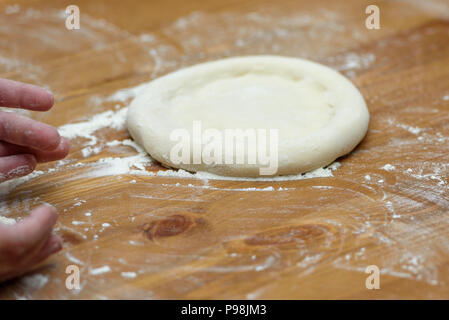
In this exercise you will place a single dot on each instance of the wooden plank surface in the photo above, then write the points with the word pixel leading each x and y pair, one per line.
pixel 167 237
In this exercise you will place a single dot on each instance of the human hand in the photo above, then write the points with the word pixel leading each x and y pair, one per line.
pixel 23 141
pixel 24 245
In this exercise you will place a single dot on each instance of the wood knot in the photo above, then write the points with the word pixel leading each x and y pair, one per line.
pixel 287 235
pixel 167 227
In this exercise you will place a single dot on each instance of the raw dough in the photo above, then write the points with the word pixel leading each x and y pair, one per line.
pixel 320 114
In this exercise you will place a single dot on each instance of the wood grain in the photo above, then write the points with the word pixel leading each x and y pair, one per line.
pixel 184 238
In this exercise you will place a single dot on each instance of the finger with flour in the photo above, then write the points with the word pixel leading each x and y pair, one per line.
pixel 8 149
pixel 23 131
pixel 15 166
pixel 14 94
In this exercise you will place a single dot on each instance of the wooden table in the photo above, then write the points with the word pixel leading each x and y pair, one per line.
pixel 164 237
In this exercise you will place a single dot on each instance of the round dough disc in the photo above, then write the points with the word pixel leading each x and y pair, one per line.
pixel 319 114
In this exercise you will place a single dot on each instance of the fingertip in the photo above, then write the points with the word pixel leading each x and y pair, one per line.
pixel 31 160
pixel 37 226
pixel 16 166
pixel 23 95
pixel 50 208
pixel 65 147
pixel 59 153
pixel 56 244
pixel 46 213
pixel 50 138
pixel 47 99
pixel 51 246
pixel 36 98
pixel 23 131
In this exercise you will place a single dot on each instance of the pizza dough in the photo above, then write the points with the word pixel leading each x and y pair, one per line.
pixel 317 114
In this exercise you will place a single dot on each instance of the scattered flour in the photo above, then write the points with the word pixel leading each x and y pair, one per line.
pixel 100 270
pixel 270 188
pixel 88 151
pixel 12 9
pixel 433 172
pixel 126 94
pixel 351 62
pixel 72 259
pixel 35 281
pixel 318 173
pixel 411 129
pixel 388 167
pixel 7 186
pixel 85 129
pixel 129 275
pixel 8 221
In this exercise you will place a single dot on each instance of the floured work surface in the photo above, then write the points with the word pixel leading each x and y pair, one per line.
pixel 137 230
